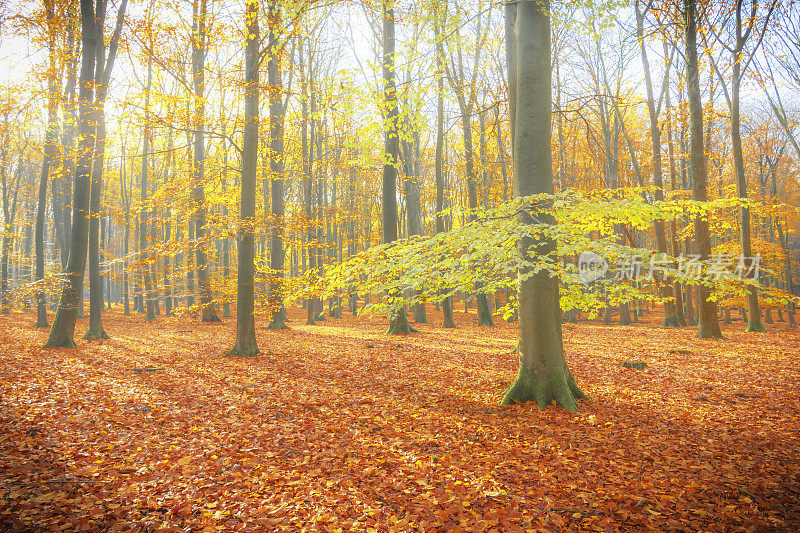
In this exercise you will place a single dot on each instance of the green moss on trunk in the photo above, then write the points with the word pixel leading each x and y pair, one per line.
pixel 399 324
pixel 755 326
pixel 545 387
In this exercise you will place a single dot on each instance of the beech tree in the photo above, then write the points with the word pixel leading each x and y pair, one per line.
pixel 543 374
pixel 398 321
pixel 246 345
pixel 63 329
pixel 103 68
pixel 708 320
pixel 447 303
pixel 277 177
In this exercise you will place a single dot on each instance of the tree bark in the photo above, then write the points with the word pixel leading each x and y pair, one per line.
pixel 543 373
pixel 102 78
pixel 199 41
pixel 63 329
pixel 246 345
pixel 143 215
pixel 447 303
pixel 671 319
pixel 708 319
pixel 49 149
pixel 398 320
pixel 754 310
pixel 276 118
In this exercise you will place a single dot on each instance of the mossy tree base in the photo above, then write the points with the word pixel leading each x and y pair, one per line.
pixel 484 313
pixel 704 332
pixel 209 315
pixel 399 325
pixel 672 322
pixel 755 326
pixel 96 334
pixel 246 350
pixel 545 387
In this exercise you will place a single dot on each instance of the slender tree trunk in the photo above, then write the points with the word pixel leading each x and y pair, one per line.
pixel 62 183
pixel 126 201
pixel 276 118
pixel 307 146
pixel 413 207
pixel 96 330
pixel 143 215
pixel 49 149
pixel 673 176
pixel 199 42
pixel 398 320
pixel 447 303
pixel 671 319
pixel 63 329
pixel 246 345
pixel 708 322
pixel 784 242
pixel 754 324
pixel 9 214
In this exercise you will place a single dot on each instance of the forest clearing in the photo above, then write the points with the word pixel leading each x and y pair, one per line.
pixel 338 427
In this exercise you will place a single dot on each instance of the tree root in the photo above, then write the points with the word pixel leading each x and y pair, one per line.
pixel 543 388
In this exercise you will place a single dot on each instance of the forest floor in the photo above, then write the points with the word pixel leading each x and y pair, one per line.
pixel 338 427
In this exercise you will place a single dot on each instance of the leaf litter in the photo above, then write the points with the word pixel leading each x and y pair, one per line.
pixel 338 427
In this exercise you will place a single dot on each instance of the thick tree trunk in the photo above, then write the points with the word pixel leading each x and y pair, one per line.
pixel 63 329
pixel 708 320
pixel 543 373
pixel 246 345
